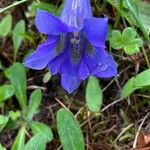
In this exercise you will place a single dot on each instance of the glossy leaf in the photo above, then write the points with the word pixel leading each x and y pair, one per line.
pixel 6 91
pixel 38 127
pixel 17 75
pixel 5 25
pixel 93 95
pixel 69 131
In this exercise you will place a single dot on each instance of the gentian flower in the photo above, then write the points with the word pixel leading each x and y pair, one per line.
pixel 75 45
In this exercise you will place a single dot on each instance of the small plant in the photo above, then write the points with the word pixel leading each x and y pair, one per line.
pixel 126 41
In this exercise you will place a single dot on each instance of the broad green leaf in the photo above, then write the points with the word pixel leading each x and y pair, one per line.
pixel 93 95
pixel 3 121
pixel 5 25
pixel 69 131
pixel 128 88
pixel 20 140
pixel 6 91
pixel 46 77
pixel 143 79
pixel 14 115
pixel 17 37
pixel 37 142
pixel 38 127
pixel 139 81
pixel 17 75
pixel 34 103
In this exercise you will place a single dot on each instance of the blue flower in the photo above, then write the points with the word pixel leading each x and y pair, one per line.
pixel 75 45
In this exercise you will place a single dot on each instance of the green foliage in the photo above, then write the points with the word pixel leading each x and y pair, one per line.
pixel 137 82
pixel 17 37
pixel 17 76
pixel 143 11
pixel 35 100
pixel 93 95
pixel 14 115
pixel 37 142
pixel 127 41
pixel 43 6
pixel 1 147
pixel 5 26
pixel 20 140
pixel 6 91
pixel 43 129
pixel 69 131
pixel 3 121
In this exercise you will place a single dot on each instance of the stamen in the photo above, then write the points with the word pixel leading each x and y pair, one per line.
pixel 76 51
pixel 90 48
pixel 60 46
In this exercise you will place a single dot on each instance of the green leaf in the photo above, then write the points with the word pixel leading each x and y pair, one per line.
pixel 34 103
pixel 131 49
pixel 43 6
pixel 6 91
pixel 116 40
pixel 130 33
pixel 46 77
pixel 17 37
pixel 139 81
pixel 5 25
pixel 128 88
pixel 17 75
pixel 14 115
pixel 38 127
pixel 127 40
pixel 143 11
pixel 3 121
pixel 37 142
pixel 93 95
pixel 69 131
pixel 20 140
pixel 143 79
pixel 1 147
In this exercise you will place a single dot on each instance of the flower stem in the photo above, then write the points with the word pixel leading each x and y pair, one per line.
pixel 12 5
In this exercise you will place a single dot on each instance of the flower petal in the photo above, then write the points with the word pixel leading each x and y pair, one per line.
pixel 55 65
pixel 46 23
pixel 83 70
pixel 95 30
pixel 101 64
pixel 69 76
pixel 41 57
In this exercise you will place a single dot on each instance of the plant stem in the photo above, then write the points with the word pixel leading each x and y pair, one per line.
pixel 139 22
pixel 12 5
